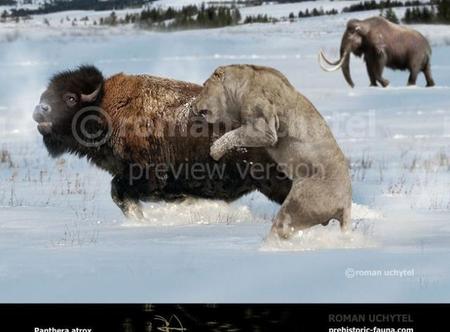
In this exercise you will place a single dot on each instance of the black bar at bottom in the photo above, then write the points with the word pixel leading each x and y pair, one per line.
pixel 225 317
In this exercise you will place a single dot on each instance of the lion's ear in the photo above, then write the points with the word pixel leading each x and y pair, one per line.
pixel 219 74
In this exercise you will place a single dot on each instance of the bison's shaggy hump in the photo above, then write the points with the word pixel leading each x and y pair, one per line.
pixel 83 80
pixel 149 115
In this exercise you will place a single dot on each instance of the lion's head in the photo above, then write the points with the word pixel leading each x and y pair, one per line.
pixel 217 101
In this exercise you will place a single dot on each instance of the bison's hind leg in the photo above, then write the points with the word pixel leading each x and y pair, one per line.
pixel 312 202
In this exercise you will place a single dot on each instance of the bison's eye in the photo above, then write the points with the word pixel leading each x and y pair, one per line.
pixel 70 99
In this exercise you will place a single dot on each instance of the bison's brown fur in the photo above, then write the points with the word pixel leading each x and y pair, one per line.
pixel 151 124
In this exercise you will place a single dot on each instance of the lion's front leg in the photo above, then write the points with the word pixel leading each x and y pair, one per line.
pixel 224 144
pixel 259 132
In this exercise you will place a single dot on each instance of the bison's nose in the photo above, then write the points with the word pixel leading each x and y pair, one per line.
pixel 45 107
pixel 40 112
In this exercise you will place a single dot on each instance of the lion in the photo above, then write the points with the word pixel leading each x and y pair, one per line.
pixel 262 109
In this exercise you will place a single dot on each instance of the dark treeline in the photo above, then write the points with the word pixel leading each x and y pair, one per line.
pixel 316 12
pixel 188 17
pixel 373 5
pixel 390 15
pixel 213 16
pixel 438 13
pixel 7 2
pixel 289 1
pixel 54 6
pixel 419 15
pixel 443 11
pixel 259 19
pixel 361 6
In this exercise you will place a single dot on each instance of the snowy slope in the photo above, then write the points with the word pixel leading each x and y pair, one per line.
pixel 62 238
pixel 63 21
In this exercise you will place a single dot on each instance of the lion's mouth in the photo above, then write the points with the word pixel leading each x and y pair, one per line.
pixel 201 113
pixel 45 128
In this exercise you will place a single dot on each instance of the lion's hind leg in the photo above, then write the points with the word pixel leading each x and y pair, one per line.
pixel 310 202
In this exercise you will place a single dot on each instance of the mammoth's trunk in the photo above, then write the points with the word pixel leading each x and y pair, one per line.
pixel 345 55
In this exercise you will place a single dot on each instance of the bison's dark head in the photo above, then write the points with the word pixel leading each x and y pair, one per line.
pixel 67 95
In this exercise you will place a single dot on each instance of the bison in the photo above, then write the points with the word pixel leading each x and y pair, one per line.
pixel 143 131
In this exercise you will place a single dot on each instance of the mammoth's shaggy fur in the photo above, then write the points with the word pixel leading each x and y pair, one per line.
pixel 382 44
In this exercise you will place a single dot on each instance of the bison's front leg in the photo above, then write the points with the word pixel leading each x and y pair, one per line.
pixel 126 198
pixel 255 132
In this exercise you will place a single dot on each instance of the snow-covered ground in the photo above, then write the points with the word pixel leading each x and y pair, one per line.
pixel 62 239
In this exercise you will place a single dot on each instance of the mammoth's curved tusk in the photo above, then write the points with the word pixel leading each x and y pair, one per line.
pixel 331 63
pixel 334 67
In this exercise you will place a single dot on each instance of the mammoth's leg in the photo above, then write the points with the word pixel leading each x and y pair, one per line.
pixel 428 76
pixel 413 77
pixel 126 197
pixel 310 202
pixel 258 129
pixel 378 70
pixel 370 71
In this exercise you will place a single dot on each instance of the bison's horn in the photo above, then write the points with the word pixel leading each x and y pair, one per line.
pixel 334 67
pixel 92 96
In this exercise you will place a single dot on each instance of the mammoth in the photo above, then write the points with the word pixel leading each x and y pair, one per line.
pixel 143 131
pixel 383 44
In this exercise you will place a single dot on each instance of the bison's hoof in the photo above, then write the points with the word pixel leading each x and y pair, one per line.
pixel 135 212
